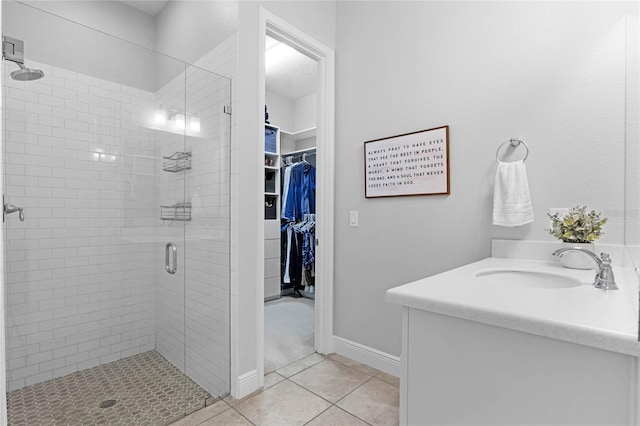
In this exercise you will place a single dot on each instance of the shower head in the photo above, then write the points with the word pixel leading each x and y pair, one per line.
pixel 26 74
pixel 13 50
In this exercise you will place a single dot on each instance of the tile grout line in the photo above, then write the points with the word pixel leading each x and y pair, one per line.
pixel 331 404
pixel 243 416
pixel 334 404
pixel 319 414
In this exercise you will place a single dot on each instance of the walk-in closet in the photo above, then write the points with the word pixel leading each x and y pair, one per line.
pixel 290 207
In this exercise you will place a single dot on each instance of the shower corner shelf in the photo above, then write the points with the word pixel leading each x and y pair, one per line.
pixel 178 211
pixel 177 162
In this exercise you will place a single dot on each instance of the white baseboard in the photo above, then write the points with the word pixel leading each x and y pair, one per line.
pixel 364 354
pixel 247 383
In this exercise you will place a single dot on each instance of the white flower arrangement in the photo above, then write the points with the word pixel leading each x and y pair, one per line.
pixel 577 226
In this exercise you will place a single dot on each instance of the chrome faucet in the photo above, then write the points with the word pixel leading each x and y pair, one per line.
pixel 604 277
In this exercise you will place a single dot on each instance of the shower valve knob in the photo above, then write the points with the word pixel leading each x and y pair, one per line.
pixel 10 208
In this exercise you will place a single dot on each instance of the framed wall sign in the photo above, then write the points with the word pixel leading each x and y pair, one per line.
pixel 411 164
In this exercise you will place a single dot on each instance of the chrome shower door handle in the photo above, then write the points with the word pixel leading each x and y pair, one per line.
pixel 170 247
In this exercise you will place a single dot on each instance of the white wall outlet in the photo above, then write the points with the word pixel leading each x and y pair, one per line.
pixel 353 218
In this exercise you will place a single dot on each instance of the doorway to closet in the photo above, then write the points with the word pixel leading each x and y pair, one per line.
pixel 291 85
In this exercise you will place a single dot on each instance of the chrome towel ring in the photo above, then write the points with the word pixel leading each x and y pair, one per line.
pixel 514 143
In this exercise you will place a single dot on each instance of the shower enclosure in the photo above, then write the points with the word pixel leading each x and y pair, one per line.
pixel 117 281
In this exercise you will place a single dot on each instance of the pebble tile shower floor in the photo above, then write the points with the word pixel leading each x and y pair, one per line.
pixel 147 389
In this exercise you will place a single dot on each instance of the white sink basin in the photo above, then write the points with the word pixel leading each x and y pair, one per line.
pixel 528 278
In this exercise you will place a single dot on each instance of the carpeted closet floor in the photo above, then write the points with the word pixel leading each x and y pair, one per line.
pixel 288 331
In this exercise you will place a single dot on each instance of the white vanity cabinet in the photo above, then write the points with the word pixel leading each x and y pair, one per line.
pixel 479 352
pixel 461 372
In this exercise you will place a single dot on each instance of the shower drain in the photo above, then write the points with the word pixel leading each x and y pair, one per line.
pixel 107 403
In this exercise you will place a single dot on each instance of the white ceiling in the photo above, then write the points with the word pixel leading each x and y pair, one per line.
pixel 152 7
pixel 289 73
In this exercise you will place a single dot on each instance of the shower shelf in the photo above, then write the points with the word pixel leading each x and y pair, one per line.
pixel 177 162
pixel 178 211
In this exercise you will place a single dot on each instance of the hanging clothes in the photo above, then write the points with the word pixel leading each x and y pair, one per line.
pixel 298 225
pixel 286 180
pixel 299 191
pixel 298 253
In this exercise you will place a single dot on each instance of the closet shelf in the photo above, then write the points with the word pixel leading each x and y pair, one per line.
pixel 178 211
pixel 177 162
pixel 298 136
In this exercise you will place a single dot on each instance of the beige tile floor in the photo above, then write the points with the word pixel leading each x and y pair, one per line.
pixel 315 391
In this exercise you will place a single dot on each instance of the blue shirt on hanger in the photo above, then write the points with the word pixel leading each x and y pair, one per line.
pixel 301 196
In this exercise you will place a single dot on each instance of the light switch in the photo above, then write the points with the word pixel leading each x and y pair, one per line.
pixel 353 218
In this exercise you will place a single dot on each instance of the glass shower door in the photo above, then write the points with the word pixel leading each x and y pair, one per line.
pixel 207 235
pixel 109 157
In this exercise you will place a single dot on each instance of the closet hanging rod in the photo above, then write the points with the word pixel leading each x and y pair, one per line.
pixel 308 154
pixel 302 156
pixel 300 151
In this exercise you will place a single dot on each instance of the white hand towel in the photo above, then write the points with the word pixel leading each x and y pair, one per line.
pixel 511 200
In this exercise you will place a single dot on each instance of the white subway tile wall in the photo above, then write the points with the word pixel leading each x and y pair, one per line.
pixel 85 270
pixel 79 285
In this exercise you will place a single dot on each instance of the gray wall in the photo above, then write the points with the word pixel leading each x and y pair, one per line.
pixel 188 30
pixel 185 30
pixel 551 73
pixel 111 17
pixel 632 222
pixel 59 42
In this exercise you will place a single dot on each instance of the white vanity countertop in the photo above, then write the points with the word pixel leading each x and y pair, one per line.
pixel 584 314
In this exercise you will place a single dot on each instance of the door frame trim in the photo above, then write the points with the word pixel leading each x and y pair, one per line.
pixel 272 25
